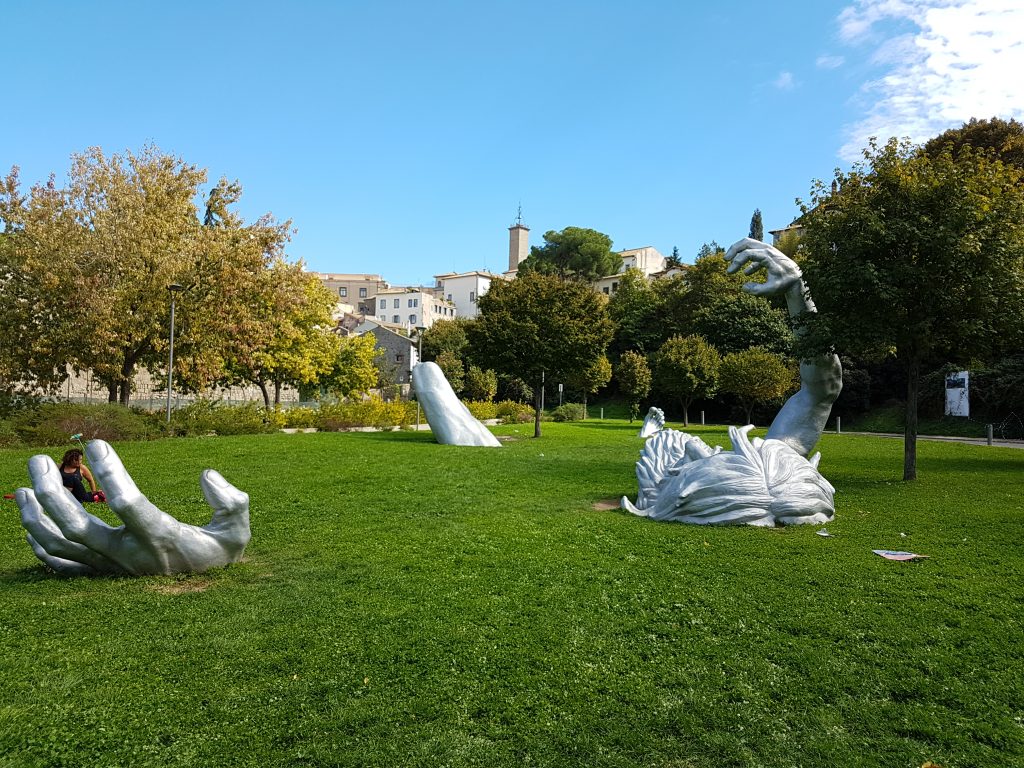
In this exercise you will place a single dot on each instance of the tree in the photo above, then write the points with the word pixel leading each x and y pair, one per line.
pixel 540 328
pixel 574 252
pixel 917 257
pixel 634 377
pixel 591 379
pixel 673 261
pixel 445 336
pixel 453 369
pixel 90 264
pixel 686 368
pixel 636 309
pixel 756 376
pixel 354 370
pixel 1004 138
pixel 756 226
pixel 481 384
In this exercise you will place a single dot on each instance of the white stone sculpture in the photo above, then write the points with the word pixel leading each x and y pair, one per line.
pixel 654 422
pixel 760 482
pixel 71 541
pixel 449 418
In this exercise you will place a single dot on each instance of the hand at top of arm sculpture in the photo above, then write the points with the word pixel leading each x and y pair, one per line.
pixel 802 419
pixel 71 541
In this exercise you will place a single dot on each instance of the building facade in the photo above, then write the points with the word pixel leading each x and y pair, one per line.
pixel 463 289
pixel 411 308
pixel 647 260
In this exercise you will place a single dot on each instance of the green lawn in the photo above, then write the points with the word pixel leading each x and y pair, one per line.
pixel 409 604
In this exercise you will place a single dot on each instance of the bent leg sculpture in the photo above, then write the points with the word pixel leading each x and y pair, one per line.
pixel 759 482
pixel 449 419
pixel 73 542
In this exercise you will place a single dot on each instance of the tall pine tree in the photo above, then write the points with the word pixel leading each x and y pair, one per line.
pixel 756 226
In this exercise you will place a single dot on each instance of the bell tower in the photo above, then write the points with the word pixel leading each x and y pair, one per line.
pixel 518 242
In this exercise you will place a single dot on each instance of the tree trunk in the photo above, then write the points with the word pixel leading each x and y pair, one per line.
pixel 538 406
pixel 686 413
pixel 584 405
pixel 277 393
pixel 266 393
pixel 910 431
pixel 112 392
pixel 749 409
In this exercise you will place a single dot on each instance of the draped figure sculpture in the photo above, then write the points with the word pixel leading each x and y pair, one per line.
pixel 73 542
pixel 760 482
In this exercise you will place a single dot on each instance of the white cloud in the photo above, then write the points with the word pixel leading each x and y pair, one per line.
pixel 964 60
pixel 830 62
pixel 785 81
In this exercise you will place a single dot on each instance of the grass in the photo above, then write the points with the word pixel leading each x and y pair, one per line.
pixel 409 604
pixel 893 419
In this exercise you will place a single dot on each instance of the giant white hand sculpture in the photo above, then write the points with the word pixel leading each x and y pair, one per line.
pixel 449 419
pixel 71 541
pixel 759 482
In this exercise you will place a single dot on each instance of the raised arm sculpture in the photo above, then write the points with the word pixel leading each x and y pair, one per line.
pixel 449 419
pixel 760 482
pixel 71 541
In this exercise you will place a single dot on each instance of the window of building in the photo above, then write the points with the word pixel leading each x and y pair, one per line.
pixel 399 357
pixel 605 289
pixel 449 297
pixel 472 297
pixel 615 287
pixel 362 293
pixel 415 302
pixel 343 292
pixel 412 319
pixel 396 319
pixel 383 317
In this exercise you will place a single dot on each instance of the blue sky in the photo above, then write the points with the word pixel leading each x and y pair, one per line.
pixel 400 137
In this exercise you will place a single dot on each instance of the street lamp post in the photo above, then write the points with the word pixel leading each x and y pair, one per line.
pixel 173 288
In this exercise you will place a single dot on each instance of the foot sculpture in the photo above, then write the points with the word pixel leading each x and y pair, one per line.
pixel 654 422
pixel 73 542
pixel 449 419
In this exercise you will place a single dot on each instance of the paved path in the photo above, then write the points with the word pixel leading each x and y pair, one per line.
pixel 940 438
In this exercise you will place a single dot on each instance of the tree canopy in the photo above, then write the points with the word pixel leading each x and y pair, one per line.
pixel 574 252
pixel 540 328
pixel 916 256
pixel 686 368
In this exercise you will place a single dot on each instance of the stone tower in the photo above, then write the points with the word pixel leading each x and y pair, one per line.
pixel 518 242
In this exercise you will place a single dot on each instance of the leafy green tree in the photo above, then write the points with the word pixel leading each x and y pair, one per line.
pixel 540 328
pixel 634 378
pixel 481 384
pixel 636 309
pixel 446 336
pixel 756 226
pixel 686 368
pixel 756 376
pixel 354 371
pixel 673 261
pixel 918 257
pixel 1003 137
pixel 574 252
pixel 591 379
pixel 453 369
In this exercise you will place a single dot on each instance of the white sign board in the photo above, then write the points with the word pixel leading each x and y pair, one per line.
pixel 957 394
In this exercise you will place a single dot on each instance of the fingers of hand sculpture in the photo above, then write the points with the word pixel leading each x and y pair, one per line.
pixel 47 541
pixel 71 518
pixel 59 564
pixel 123 495
pixel 227 501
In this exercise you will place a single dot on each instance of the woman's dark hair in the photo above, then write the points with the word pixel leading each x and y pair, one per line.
pixel 70 456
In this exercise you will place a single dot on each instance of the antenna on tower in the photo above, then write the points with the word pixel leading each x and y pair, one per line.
pixel 519 216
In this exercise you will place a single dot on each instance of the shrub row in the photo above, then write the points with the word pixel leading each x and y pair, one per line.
pixel 54 423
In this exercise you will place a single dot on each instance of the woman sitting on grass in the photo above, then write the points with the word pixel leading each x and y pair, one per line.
pixel 72 472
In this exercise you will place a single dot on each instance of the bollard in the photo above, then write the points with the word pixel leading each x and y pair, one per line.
pixel 839 425
pixel 702 418
pixel 989 431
